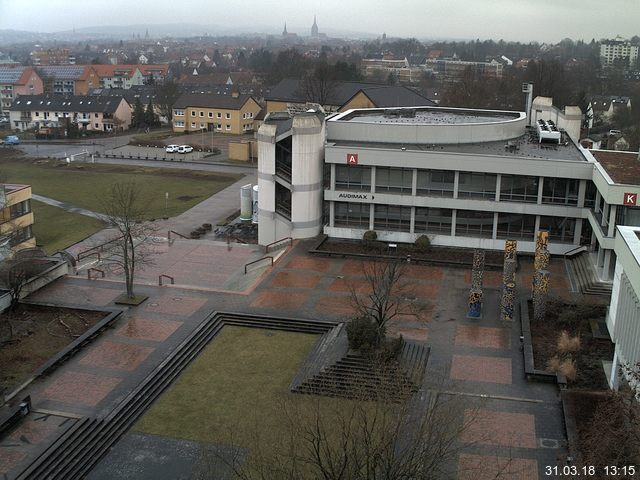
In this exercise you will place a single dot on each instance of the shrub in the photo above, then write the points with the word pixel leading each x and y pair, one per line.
pixel 422 244
pixel 390 349
pixel 567 343
pixel 369 236
pixel 566 367
pixel 363 334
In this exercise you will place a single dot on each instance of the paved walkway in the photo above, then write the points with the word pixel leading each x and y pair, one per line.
pixel 68 207
pixel 516 428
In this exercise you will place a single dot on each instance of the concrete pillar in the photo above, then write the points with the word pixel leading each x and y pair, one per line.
pixel 498 186
pixel 494 233
pixel 453 222
pixel 332 214
pixel 371 216
pixel 456 183
pixel 412 223
pixel 577 235
pixel 606 265
pixel 613 209
pixel 333 180
pixel 414 183
pixel 373 179
pixel 614 376
pixel 540 187
pixel 582 190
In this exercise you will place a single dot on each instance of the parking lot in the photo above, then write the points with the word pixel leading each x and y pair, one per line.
pixel 157 153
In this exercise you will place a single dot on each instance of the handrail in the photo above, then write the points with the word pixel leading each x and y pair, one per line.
pixel 266 248
pixel 97 248
pixel 256 261
pixel 175 233
pixel 95 270
pixel 166 276
pixel 570 252
pixel 87 253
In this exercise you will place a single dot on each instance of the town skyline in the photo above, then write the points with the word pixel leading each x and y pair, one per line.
pixel 517 20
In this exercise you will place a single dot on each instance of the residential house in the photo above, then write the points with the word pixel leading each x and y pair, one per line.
pixel 68 79
pixel 91 113
pixel 233 114
pixel 293 95
pixel 618 49
pixel 52 56
pixel 605 106
pixel 15 81
pixel 16 218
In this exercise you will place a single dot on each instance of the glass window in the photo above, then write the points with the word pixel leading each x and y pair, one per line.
pixel 563 191
pixel 516 226
pixel 347 214
pixel 435 183
pixel 354 177
pixel 394 180
pixel 20 209
pixel 228 127
pixel 210 114
pixel 590 194
pixel 193 113
pixel 477 185
pixel 519 188
pixel 474 223
pixel 560 229
pixel 219 115
pixel 193 124
pixel 392 217
pixel 201 113
pixel 227 116
pixel 433 220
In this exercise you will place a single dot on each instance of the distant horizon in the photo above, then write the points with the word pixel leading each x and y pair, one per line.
pixel 522 21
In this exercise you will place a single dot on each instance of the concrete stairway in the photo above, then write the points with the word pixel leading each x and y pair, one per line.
pixel 586 279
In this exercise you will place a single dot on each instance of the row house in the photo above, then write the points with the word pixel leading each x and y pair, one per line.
pixel 127 76
pixel 233 114
pixel 68 79
pixel 90 113
pixel 15 81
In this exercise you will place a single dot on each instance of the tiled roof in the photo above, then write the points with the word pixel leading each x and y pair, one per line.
pixel 622 167
pixel 74 103
pixel 211 101
pixel 292 90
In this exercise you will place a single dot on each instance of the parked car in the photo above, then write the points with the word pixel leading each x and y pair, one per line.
pixel 12 140
pixel 185 149
pixel 171 148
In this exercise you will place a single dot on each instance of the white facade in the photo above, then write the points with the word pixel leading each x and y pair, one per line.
pixel 623 318
pixel 290 177
pixel 611 50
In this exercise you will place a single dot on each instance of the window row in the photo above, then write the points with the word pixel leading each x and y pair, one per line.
pixel 210 114
pixel 468 223
pixel 441 183
pixel 218 126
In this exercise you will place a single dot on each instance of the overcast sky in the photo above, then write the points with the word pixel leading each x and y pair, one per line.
pixel 522 20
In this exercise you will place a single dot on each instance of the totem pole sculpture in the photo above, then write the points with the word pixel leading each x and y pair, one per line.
pixel 475 293
pixel 541 275
pixel 508 280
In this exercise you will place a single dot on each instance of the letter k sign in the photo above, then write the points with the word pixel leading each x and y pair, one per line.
pixel 630 198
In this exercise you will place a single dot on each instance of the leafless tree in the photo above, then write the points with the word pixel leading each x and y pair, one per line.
pixel 386 294
pixel 131 250
pixel 358 439
pixel 318 86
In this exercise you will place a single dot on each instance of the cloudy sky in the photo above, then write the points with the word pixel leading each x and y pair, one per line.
pixel 522 20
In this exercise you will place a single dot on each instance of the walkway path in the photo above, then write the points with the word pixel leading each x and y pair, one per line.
pixel 68 207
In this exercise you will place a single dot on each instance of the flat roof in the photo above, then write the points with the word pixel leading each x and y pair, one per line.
pixel 525 146
pixel 427 116
pixel 622 167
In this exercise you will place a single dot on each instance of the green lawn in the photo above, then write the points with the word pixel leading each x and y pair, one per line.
pixel 235 385
pixel 85 185
pixel 56 229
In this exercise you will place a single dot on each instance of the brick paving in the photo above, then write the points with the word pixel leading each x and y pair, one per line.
pixel 475 357
pixel 119 356
pixel 481 369
pixel 482 337
pixel 488 467
pixel 9 459
pixel 147 329
pixel 277 300
pixel 490 279
pixel 295 280
pixel 174 304
pixel 505 429
pixel 83 388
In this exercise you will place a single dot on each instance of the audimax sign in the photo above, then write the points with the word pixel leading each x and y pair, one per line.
pixel 358 196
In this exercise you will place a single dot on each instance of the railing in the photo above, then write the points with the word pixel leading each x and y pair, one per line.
pixel 101 272
pixel 160 277
pixel 580 248
pixel 259 260
pixel 286 239
pixel 96 249
pixel 175 233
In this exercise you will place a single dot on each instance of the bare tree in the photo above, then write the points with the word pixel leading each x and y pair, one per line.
pixel 130 251
pixel 319 85
pixel 358 439
pixel 386 294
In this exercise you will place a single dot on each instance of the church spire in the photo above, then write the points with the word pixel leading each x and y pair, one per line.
pixel 284 32
pixel 314 28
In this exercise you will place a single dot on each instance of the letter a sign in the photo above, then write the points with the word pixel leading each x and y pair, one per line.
pixel 352 158
pixel 630 198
